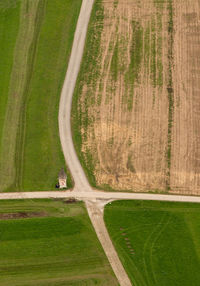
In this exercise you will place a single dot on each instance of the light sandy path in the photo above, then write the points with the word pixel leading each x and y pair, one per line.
pixel 82 189
pixel 96 216
pixel 99 195
pixel 81 182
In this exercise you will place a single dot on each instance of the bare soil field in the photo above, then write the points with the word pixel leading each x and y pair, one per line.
pixel 185 160
pixel 137 96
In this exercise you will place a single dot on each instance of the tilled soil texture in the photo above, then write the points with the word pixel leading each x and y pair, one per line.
pixel 185 159
pixel 137 96
pixel 123 99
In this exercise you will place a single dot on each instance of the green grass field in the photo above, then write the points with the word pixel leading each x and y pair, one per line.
pixel 36 39
pixel 158 242
pixel 58 249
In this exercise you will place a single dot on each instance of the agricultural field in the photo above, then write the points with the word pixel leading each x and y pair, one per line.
pixel 157 242
pixel 36 39
pixel 46 242
pixel 135 114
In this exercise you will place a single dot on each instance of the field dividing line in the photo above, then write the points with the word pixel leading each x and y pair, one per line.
pixel 96 217
pixel 81 182
pixel 98 195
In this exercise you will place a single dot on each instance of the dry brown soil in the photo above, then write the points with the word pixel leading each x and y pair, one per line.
pixel 141 104
pixel 20 215
pixel 185 161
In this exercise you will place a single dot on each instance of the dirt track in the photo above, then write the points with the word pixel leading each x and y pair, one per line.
pixel 99 195
pixel 95 201
pixel 82 188
pixel 81 182
pixel 95 211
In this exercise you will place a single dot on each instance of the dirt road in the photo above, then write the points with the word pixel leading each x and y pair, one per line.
pixel 81 182
pixel 99 195
pixel 95 212
pixel 82 189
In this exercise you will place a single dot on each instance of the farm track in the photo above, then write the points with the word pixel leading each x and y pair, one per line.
pixel 71 158
pixel 82 189
pixel 98 195
pixel 81 182
pixel 95 200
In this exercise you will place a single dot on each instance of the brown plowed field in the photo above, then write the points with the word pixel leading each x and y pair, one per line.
pixel 185 160
pixel 138 92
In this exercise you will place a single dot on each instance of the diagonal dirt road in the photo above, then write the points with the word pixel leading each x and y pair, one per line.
pixel 96 215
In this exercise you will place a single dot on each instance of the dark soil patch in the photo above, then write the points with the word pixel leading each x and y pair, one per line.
pixel 20 215
pixel 70 201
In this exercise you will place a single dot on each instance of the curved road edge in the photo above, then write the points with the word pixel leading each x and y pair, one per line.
pixel 71 158
pixel 64 118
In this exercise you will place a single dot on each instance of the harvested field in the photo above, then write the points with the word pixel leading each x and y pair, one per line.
pixel 134 99
pixel 36 39
pixel 185 161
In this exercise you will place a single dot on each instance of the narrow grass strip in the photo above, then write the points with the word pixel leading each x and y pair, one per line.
pixel 16 90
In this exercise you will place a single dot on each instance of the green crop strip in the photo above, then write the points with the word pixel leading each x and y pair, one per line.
pixel 170 90
pixel 15 95
pixel 20 141
pixel 159 4
pixel 159 51
pixel 9 26
pixel 147 48
pixel 89 73
pixel 156 65
pixel 129 164
pixel 136 51
pixel 136 55
pixel 116 3
pixel 114 62
pixel 153 52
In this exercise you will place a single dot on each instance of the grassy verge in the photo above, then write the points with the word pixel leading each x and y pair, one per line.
pixel 89 71
pixel 158 242
pixel 33 157
pixel 60 248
